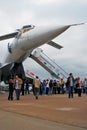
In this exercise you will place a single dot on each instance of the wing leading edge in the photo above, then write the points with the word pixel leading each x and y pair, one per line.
pixel 8 36
pixel 53 44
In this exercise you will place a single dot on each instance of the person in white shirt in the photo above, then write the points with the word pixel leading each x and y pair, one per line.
pixel 18 84
pixel 37 84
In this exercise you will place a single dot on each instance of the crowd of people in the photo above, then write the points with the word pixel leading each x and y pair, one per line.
pixel 47 87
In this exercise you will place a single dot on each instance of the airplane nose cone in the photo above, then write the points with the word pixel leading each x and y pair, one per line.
pixel 57 30
pixel 49 33
pixel 41 35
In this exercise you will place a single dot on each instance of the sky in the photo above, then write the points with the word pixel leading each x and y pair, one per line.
pixel 73 56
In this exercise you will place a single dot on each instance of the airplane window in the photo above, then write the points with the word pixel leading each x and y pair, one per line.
pixel 28 26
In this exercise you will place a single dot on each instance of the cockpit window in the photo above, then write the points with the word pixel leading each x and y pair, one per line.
pixel 27 28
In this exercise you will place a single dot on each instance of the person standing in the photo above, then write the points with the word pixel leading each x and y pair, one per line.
pixel 47 87
pixel 36 86
pixel 27 86
pixel 79 86
pixel 11 89
pixel 18 84
pixel 58 87
pixel 54 87
pixel 62 85
pixel 51 87
pixel 44 84
pixel 70 83
pixel 22 87
pixel 85 85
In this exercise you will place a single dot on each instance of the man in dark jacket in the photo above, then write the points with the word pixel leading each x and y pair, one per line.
pixel 70 83
pixel 11 89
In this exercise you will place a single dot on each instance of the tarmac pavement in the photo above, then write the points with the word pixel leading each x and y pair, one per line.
pixel 13 121
pixel 55 112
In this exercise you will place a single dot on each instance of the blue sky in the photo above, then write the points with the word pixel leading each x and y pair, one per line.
pixel 73 57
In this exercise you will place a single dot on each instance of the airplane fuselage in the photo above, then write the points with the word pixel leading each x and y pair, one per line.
pixel 25 41
pixel 22 47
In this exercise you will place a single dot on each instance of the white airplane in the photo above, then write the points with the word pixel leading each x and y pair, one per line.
pixel 25 41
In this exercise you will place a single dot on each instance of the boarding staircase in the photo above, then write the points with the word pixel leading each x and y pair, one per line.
pixel 48 64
